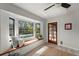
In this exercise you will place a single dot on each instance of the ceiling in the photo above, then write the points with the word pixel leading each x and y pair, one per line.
pixel 38 9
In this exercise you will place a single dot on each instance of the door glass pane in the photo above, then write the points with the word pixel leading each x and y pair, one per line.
pixel 52 32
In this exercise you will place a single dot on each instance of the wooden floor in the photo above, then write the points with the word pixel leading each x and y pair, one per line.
pixel 49 49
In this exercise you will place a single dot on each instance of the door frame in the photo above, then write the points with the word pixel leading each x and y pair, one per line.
pixel 56 33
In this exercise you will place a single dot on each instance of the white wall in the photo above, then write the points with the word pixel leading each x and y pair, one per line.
pixel 0 30
pixel 70 38
pixel 4 31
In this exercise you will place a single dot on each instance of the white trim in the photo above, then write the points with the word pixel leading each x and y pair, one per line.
pixel 75 49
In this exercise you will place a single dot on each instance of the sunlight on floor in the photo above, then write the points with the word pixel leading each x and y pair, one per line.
pixel 40 51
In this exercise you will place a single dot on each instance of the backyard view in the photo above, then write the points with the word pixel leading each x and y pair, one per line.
pixel 25 27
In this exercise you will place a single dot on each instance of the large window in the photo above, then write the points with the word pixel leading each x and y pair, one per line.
pixel 11 26
pixel 25 28
pixel 37 27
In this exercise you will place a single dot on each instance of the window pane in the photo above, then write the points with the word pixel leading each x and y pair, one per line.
pixel 37 27
pixel 11 27
pixel 26 28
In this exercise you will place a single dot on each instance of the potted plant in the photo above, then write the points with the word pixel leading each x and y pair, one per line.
pixel 39 36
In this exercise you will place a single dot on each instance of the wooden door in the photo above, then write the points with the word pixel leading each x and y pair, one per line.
pixel 52 32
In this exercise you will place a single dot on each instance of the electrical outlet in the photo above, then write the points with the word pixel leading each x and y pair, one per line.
pixel 61 42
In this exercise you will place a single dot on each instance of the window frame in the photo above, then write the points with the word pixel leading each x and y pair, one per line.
pixel 10 18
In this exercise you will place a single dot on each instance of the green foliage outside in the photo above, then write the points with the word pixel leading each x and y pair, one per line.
pixel 25 28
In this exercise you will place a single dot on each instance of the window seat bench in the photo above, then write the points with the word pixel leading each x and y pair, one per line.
pixel 25 48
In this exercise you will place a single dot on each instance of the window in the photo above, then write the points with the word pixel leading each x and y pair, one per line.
pixel 37 29
pixel 11 26
pixel 25 29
